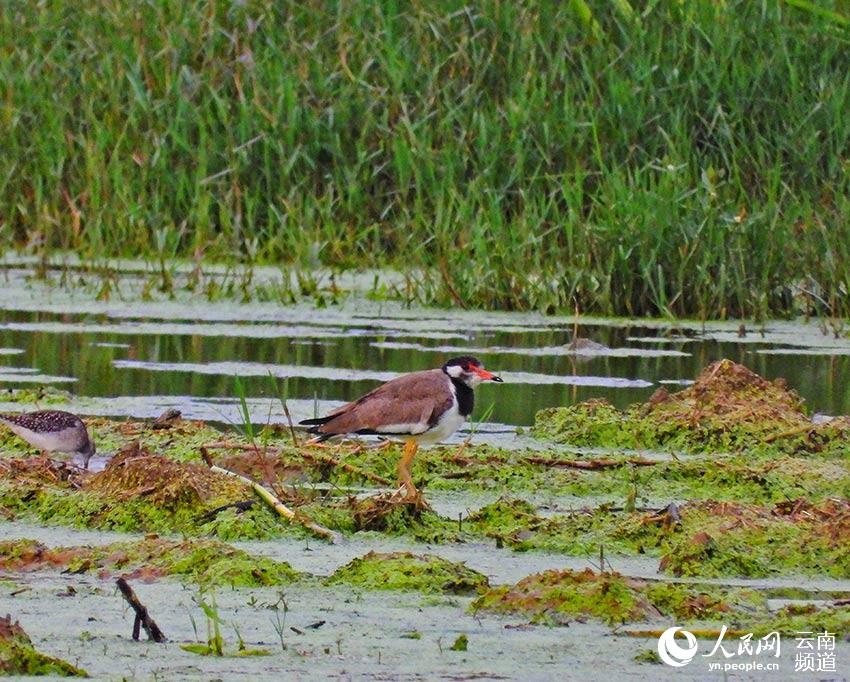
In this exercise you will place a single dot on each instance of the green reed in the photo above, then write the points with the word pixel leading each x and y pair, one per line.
pixel 675 158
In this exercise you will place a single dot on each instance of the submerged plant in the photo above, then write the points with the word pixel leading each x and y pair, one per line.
pixel 215 644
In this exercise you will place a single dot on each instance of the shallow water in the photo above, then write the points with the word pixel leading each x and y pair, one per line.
pixel 189 350
pixel 362 633
pixel 128 357
pixel 361 636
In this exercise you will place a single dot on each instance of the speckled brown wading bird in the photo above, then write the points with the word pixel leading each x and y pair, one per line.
pixel 52 431
pixel 422 407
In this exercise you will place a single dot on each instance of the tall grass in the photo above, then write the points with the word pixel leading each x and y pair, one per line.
pixel 682 158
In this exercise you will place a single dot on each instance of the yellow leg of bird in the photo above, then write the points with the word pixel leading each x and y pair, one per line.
pixel 404 479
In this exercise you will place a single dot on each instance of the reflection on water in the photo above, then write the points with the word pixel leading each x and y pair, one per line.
pixel 338 359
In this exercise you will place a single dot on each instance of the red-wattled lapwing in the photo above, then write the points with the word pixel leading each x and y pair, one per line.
pixel 422 407
pixel 52 431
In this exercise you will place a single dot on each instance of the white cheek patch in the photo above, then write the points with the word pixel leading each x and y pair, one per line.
pixel 454 371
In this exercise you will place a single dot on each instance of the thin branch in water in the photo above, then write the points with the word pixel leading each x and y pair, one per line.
pixel 272 501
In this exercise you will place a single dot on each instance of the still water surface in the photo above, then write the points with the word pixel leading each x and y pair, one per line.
pixel 338 354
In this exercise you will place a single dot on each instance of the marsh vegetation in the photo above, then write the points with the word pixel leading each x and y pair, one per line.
pixel 675 159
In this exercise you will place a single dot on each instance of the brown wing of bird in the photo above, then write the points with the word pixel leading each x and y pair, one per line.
pixel 407 405
pixel 45 421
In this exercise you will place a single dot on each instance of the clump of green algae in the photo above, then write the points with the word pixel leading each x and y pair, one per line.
pixel 701 538
pixel 407 571
pixel 724 538
pixel 19 657
pixel 208 563
pixel 796 618
pixel 728 409
pixel 137 491
pixel 559 597
pixel 42 395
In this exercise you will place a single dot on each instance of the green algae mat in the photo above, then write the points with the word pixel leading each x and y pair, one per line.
pixel 407 571
pixel 207 563
pixel 729 478
pixel 728 409
pixel 561 597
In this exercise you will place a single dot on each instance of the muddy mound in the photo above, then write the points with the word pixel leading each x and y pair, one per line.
pixel 406 571
pixel 40 471
pixel 137 473
pixel 206 562
pixel 727 388
pixel 728 409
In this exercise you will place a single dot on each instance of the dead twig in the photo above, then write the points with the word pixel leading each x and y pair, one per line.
pixel 458 455
pixel 805 428
pixel 273 502
pixel 244 505
pixel 143 618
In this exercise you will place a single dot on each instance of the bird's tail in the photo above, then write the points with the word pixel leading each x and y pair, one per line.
pixel 316 421
pixel 314 425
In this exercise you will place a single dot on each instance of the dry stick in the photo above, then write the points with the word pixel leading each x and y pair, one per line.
pixel 291 425
pixel 462 447
pixel 142 616
pixel 790 432
pixel 274 502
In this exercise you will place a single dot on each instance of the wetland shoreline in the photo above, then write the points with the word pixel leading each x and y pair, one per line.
pixel 705 510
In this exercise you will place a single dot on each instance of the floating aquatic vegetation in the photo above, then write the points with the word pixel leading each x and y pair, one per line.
pixel 43 395
pixel 407 571
pixel 561 597
pixel 384 513
pixel 137 473
pixel 137 491
pixel 206 562
pixel 727 538
pixel 793 619
pixel 728 409
pixel 614 476
pixel 703 538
